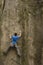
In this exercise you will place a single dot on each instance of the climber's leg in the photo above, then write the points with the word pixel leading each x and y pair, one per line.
pixel 18 50
pixel 6 50
pixel 11 44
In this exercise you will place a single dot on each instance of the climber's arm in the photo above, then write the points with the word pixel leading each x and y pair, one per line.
pixel 10 38
pixel 19 34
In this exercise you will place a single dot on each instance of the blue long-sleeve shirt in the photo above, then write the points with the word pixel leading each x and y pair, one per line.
pixel 14 39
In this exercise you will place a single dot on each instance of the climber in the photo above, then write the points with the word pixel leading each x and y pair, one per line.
pixel 14 38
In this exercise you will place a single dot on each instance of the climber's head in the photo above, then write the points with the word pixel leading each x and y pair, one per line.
pixel 15 34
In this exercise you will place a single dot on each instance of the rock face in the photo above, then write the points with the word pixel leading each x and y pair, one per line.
pixel 10 20
pixel 14 13
pixel 9 26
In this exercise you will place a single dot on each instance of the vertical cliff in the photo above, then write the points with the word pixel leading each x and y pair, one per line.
pixel 25 16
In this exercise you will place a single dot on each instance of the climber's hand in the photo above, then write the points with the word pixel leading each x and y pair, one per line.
pixel 19 34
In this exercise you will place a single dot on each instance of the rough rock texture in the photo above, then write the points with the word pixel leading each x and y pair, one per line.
pixel 12 22
pixel 9 26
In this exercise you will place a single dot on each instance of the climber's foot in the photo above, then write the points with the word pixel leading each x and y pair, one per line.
pixel 4 53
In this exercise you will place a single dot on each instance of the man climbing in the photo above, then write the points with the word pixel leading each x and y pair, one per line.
pixel 14 38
